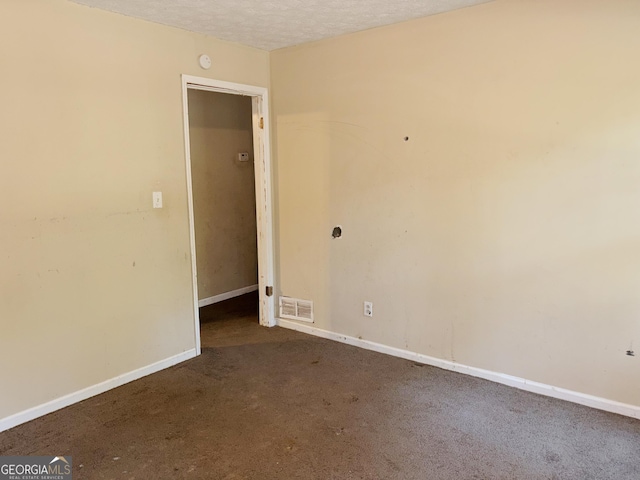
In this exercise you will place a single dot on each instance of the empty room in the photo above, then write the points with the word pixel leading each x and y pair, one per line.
pixel 320 240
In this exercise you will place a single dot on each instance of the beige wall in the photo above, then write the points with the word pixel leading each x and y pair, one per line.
pixel 224 194
pixel 505 234
pixel 94 282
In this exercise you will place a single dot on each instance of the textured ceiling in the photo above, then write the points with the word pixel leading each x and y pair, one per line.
pixel 271 24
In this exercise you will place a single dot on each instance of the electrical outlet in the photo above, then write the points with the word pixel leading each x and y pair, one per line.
pixel 368 309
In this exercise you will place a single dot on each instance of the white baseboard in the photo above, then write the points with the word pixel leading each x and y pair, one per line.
pixel 53 405
pixel 226 296
pixel 517 382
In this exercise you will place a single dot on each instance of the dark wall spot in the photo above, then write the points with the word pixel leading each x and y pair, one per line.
pixel 337 232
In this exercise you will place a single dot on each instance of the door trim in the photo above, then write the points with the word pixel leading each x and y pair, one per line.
pixel 263 175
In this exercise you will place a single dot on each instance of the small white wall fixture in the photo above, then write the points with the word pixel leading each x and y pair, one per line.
pixel 262 165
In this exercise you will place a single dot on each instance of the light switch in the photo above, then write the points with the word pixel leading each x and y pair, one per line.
pixel 157 199
pixel 243 157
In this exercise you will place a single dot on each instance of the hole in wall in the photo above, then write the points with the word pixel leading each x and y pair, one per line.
pixel 337 232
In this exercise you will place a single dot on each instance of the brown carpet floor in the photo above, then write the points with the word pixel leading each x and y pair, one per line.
pixel 275 404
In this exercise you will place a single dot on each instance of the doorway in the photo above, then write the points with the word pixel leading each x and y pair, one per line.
pixel 258 166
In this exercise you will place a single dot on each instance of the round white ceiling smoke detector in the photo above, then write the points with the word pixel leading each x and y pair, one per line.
pixel 205 61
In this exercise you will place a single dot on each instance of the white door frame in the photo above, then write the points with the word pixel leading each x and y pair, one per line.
pixel 262 167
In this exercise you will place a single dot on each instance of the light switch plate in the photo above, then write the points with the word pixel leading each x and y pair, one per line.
pixel 157 199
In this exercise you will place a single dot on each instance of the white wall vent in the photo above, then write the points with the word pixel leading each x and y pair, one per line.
pixel 296 309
